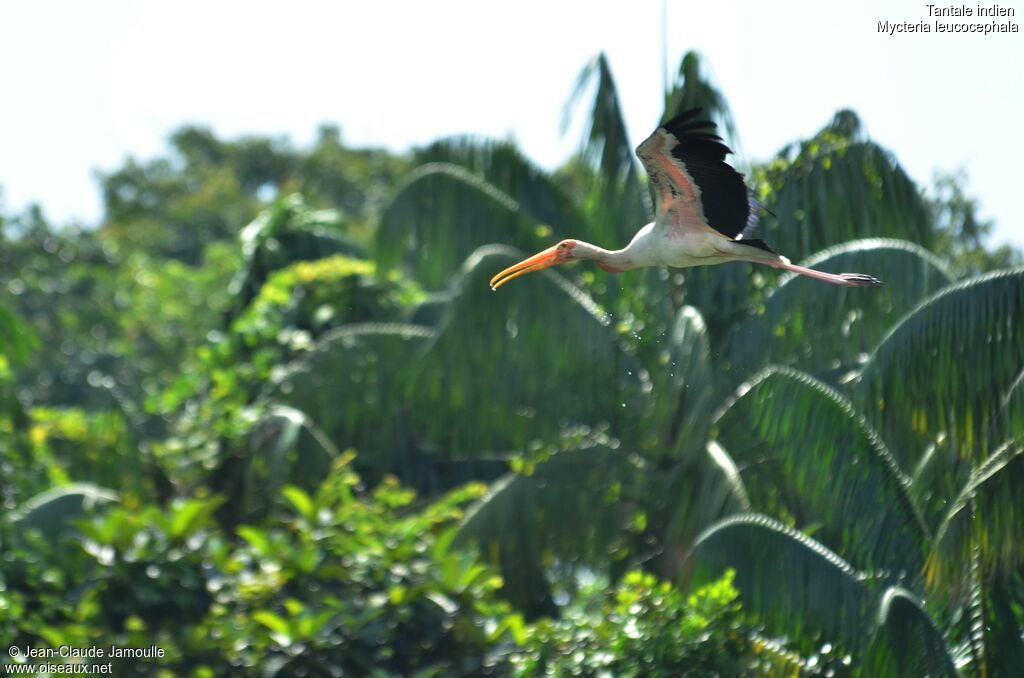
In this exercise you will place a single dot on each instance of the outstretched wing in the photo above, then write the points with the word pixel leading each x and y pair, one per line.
pixel 685 160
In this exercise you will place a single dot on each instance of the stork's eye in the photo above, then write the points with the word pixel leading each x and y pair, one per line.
pixel 562 245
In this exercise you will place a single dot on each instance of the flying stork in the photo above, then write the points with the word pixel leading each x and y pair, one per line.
pixel 703 215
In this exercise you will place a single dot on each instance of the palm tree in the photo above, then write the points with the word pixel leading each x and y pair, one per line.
pixel 907 484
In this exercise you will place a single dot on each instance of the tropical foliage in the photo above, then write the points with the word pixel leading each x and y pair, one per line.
pixel 270 418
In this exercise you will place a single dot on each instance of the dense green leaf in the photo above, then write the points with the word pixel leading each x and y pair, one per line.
pixel 287 232
pixel 643 627
pixel 15 337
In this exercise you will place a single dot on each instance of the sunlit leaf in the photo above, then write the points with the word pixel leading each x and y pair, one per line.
pixel 300 501
pixel 190 515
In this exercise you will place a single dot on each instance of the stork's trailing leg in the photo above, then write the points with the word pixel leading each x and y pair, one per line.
pixel 845 279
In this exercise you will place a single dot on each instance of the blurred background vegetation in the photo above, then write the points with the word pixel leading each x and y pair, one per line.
pixel 269 417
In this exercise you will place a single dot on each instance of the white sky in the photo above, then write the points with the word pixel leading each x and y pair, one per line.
pixel 86 84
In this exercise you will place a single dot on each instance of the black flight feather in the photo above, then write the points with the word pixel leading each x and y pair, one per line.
pixel 702 154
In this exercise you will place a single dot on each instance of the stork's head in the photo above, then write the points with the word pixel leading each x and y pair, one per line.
pixel 552 256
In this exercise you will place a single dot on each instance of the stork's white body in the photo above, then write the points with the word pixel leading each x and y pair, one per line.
pixel 675 247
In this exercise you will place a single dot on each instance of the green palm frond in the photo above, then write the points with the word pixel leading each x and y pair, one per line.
pixel 693 89
pixel 830 329
pixel 683 386
pixel 351 382
pixel 805 450
pixel 285 447
pixel 518 365
pixel 502 165
pixel 937 476
pixel 963 347
pixel 722 294
pixel 907 641
pixel 1009 421
pixel 618 194
pixel 985 520
pixel 794 584
pixel 700 490
pixel 54 511
pixel 1004 625
pixel 574 508
pixel 432 310
pixel 440 214
pixel 974 617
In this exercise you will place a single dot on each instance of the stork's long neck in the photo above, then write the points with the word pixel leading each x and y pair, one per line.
pixel 641 251
pixel 615 261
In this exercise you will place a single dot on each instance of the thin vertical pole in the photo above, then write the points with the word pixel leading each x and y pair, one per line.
pixel 664 46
